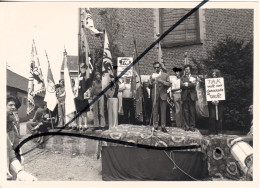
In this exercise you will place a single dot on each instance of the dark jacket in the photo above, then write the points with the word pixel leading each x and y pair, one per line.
pixel 191 89
pixel 161 87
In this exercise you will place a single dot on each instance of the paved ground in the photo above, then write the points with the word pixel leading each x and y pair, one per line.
pixel 55 166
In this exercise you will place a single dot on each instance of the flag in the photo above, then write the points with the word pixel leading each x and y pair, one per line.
pixel 84 53
pixel 107 69
pixel 88 21
pixel 186 60
pixel 84 77
pixel 69 98
pixel 35 84
pixel 50 96
pixel 160 58
pixel 137 89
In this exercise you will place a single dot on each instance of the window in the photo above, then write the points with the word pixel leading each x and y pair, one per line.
pixel 187 33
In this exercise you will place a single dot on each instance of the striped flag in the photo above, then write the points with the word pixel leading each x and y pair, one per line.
pixel 88 21
pixel 160 58
pixel 36 83
pixel 50 96
pixel 107 69
pixel 69 98
pixel 137 89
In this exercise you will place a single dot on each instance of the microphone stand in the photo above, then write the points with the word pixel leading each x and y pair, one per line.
pixel 154 101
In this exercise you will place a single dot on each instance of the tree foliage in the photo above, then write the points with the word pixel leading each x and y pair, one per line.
pixel 234 58
pixel 111 24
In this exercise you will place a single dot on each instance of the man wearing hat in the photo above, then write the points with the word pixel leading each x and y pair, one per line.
pixel 15 169
pixel 176 91
pixel 189 97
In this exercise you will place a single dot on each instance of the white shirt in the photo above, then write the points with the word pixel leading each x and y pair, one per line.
pixel 126 90
pixel 155 74
pixel 176 83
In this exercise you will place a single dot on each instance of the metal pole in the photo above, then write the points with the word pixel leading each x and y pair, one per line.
pixel 216 105
pixel 51 120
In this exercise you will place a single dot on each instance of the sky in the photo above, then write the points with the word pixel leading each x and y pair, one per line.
pixel 51 27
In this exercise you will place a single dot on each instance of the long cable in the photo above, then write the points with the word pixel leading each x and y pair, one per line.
pixel 179 167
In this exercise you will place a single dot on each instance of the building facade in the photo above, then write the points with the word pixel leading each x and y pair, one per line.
pixel 72 62
pixel 195 36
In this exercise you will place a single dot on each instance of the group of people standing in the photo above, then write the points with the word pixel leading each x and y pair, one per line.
pixel 182 89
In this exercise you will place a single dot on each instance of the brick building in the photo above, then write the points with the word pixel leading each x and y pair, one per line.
pixel 196 35
pixel 72 62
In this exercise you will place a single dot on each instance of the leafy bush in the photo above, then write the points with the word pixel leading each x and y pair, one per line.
pixel 234 58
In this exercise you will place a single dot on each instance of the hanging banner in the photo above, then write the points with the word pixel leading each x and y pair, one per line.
pixel 122 63
pixel 215 89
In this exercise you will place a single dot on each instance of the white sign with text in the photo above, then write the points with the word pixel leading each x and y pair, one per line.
pixel 122 63
pixel 215 89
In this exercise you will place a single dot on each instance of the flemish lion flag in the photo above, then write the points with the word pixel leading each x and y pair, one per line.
pixel 88 21
pixel 84 53
pixel 35 84
pixel 107 69
pixel 137 89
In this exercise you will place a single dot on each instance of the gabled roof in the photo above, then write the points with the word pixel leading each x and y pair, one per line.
pixel 19 82
pixel 72 64
pixel 16 81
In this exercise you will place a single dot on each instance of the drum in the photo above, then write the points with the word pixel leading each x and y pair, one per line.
pixel 242 151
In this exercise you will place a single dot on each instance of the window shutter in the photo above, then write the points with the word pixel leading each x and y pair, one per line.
pixel 185 33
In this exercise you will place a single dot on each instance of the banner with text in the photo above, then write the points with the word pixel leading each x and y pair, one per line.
pixel 122 63
pixel 215 89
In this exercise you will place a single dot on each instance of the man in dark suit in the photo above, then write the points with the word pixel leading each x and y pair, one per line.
pixel 159 82
pixel 189 97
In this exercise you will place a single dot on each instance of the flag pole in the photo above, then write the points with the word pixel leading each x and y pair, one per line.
pixel 136 54
pixel 79 36
pixel 47 78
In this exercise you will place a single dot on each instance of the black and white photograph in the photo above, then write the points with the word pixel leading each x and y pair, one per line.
pixel 130 92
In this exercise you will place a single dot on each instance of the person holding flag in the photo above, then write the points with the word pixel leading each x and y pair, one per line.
pixel 107 79
pixel 82 104
pixel 85 71
pixel 159 83
pixel 60 93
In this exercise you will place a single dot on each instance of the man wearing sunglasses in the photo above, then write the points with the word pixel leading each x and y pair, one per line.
pixel 159 83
